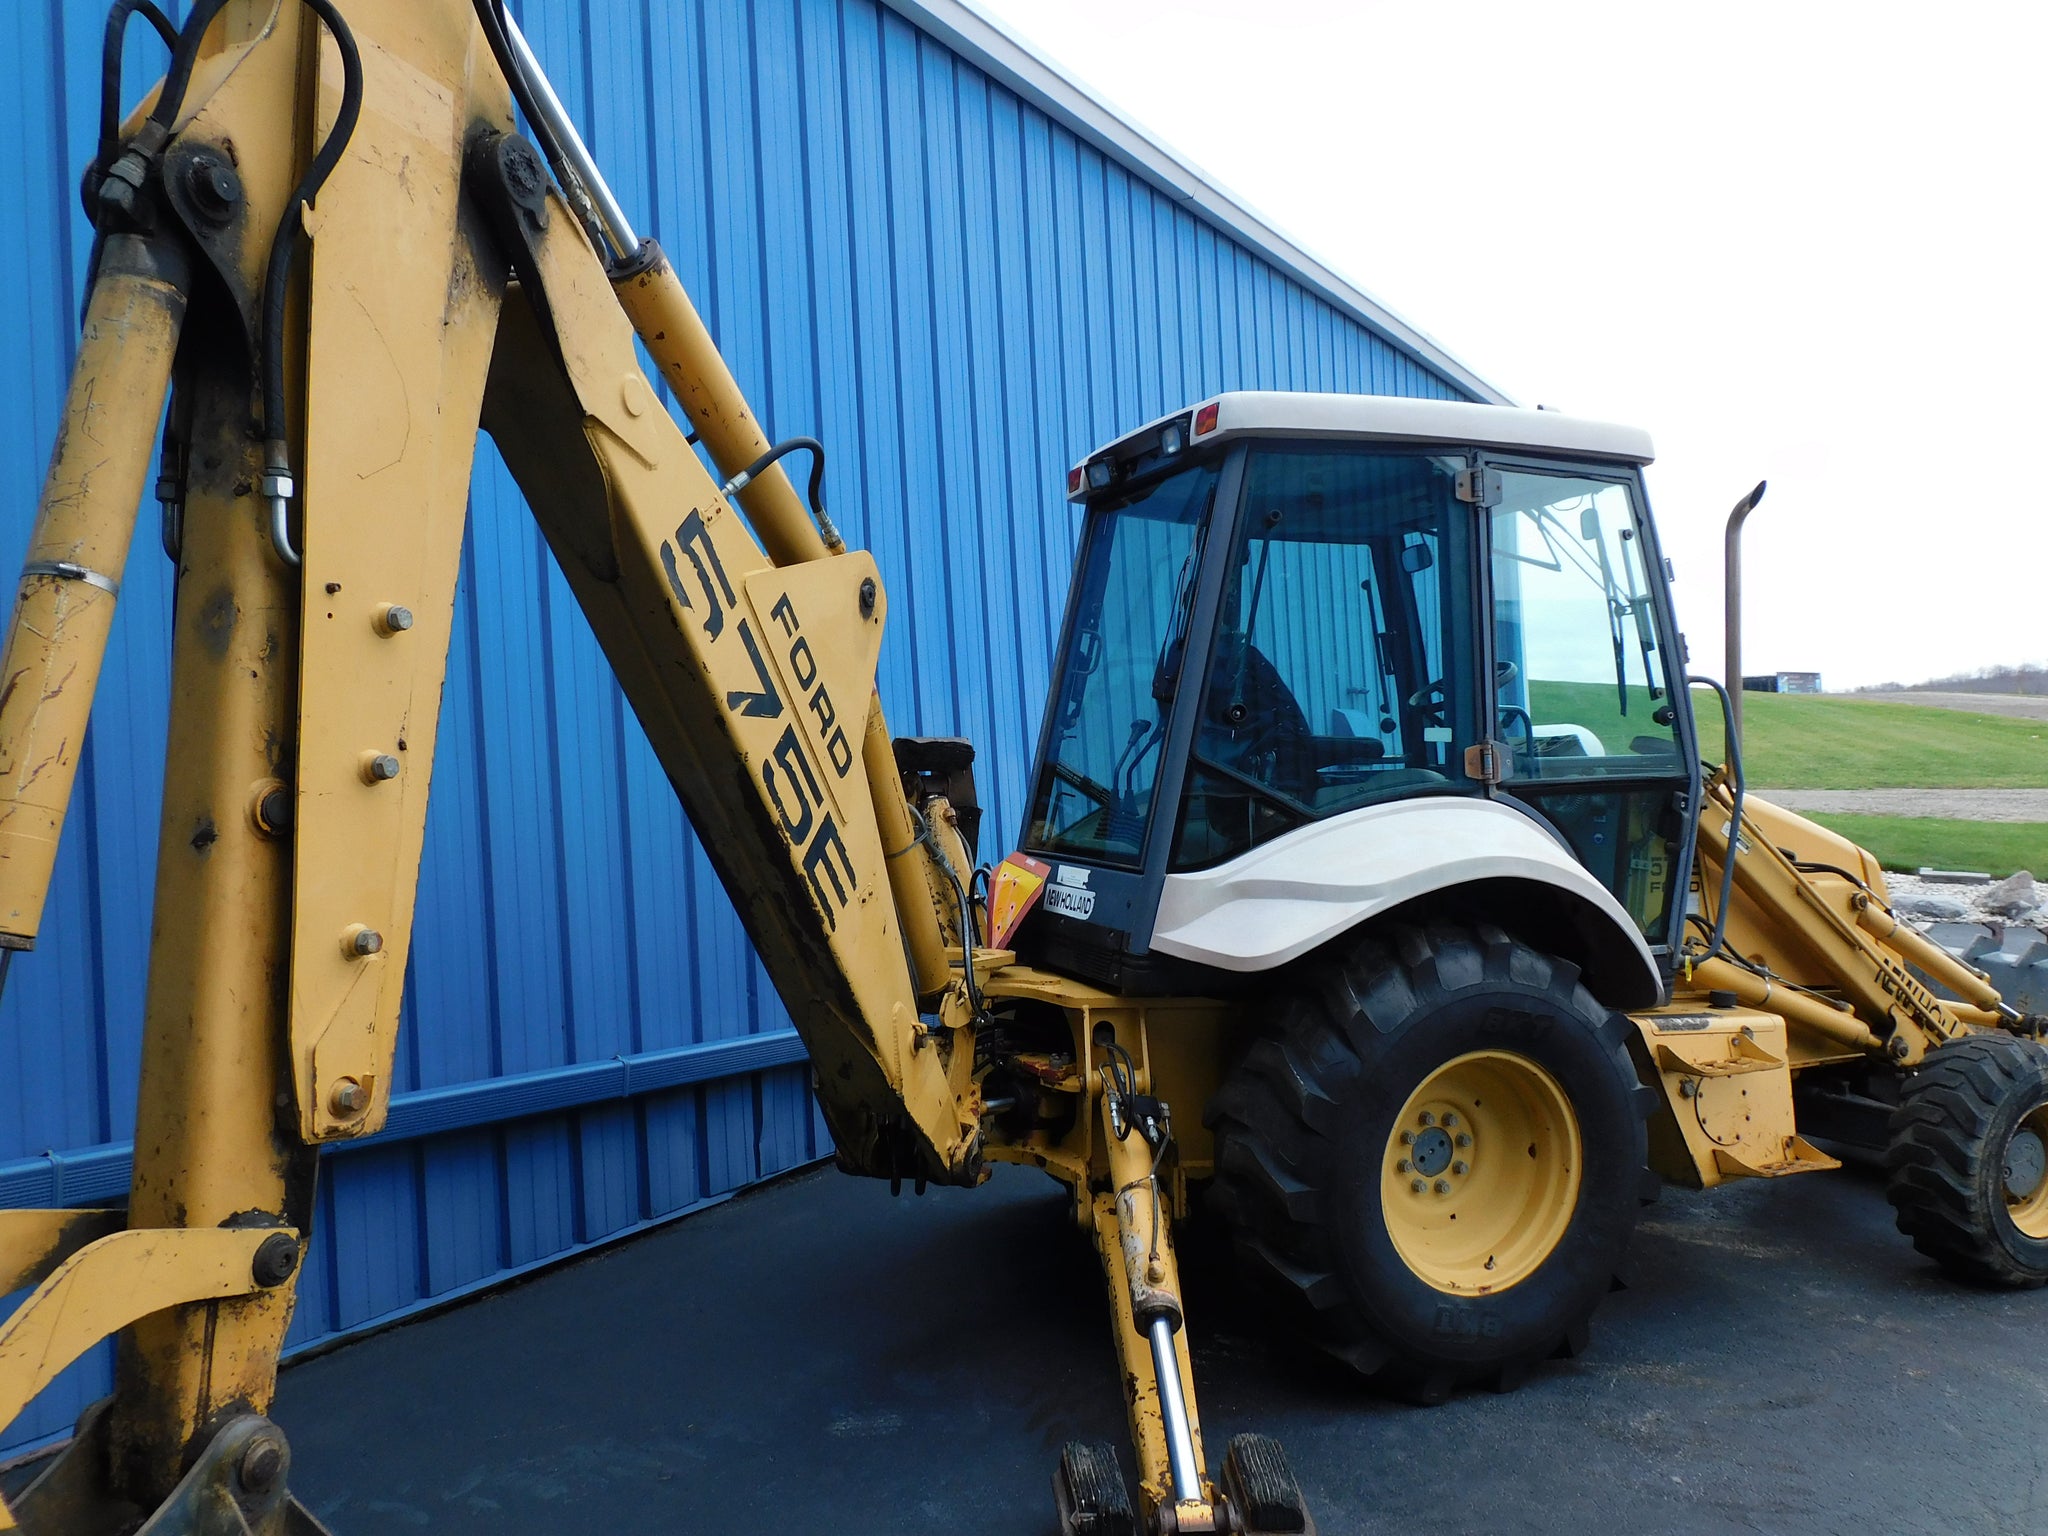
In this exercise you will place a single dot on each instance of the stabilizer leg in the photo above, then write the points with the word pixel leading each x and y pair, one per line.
pixel 1133 1237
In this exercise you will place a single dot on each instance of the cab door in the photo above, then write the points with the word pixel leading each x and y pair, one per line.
pixel 1589 692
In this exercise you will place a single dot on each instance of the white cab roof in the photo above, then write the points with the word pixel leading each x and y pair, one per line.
pixel 1392 418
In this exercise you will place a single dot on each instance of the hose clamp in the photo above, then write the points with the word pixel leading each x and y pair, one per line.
pixel 66 570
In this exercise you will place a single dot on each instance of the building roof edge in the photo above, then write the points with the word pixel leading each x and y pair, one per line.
pixel 984 43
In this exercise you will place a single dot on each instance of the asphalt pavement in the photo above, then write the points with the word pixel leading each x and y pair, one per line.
pixel 817 1357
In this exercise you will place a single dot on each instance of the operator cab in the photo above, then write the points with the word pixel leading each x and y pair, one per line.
pixel 1295 609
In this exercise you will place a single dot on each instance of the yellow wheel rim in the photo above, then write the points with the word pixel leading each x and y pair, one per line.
pixel 1481 1175
pixel 2024 1171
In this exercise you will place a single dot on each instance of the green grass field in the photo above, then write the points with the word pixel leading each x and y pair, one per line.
pixel 1910 843
pixel 1820 741
pixel 1805 741
pixel 1825 741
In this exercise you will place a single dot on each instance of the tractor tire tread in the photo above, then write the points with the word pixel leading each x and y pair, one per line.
pixel 1941 1180
pixel 1274 1117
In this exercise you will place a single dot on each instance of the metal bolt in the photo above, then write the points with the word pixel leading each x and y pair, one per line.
pixel 1407 1138
pixel 261 1464
pixel 395 619
pixel 1443 1186
pixel 273 810
pixel 1403 1166
pixel 275 1260
pixel 1464 1138
pixel 1687 1088
pixel 1461 1168
pixel 380 767
pixel 1428 1118
pixel 215 190
pixel 360 941
pixel 348 1097
pixel 1450 1117
pixel 1418 1185
pixel 868 594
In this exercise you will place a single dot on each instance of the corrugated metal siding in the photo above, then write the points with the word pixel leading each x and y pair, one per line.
pixel 911 262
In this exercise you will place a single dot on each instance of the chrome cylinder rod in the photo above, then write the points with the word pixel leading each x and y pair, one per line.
pixel 617 228
pixel 1173 1408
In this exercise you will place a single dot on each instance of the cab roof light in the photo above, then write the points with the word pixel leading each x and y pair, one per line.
pixel 1100 473
pixel 1205 418
pixel 1169 439
pixel 1074 478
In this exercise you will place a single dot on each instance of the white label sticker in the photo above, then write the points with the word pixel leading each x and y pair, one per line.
pixel 1069 902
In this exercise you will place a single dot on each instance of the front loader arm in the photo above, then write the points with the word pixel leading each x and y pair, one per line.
pixel 1810 936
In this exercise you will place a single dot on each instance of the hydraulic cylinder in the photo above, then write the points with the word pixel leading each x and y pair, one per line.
pixel 57 638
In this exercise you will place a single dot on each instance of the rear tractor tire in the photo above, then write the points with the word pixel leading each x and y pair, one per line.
pixel 1434 1157
pixel 1968 1161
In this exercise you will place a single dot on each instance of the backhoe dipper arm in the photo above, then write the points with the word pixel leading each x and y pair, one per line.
pixel 317 576
pixel 754 682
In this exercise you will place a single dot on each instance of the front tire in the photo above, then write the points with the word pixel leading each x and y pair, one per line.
pixel 1434 1157
pixel 1968 1161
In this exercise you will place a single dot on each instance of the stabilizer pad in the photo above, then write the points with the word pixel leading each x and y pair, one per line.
pixel 1262 1491
pixel 1089 1489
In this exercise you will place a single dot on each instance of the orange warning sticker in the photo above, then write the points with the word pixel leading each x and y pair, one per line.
pixel 1015 890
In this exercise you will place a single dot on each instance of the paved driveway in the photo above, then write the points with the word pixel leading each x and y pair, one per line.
pixel 817 1358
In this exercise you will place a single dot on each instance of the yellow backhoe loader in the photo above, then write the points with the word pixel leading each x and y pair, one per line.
pixel 1372 894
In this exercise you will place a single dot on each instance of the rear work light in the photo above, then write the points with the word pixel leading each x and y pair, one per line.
pixel 1169 439
pixel 1205 419
pixel 1100 472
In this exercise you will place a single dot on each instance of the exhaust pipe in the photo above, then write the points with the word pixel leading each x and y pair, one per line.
pixel 1732 618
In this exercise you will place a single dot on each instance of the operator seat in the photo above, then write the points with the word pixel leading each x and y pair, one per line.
pixel 1252 722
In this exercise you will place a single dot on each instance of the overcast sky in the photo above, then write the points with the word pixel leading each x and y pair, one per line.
pixel 1795 242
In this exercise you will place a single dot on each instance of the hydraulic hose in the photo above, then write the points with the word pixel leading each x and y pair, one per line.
pixel 816 494
pixel 111 49
pixel 1734 745
pixel 278 486
pixel 183 57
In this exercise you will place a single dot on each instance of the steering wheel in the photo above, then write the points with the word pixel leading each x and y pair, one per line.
pixel 1431 697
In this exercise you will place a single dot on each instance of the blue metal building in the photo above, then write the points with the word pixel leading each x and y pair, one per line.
pixel 914 240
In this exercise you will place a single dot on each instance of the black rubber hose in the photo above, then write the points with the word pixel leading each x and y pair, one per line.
pixel 111 48
pixel 816 493
pixel 183 57
pixel 490 14
pixel 277 272
pixel 1734 747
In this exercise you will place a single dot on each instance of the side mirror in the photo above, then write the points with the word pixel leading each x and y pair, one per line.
pixel 1589 525
pixel 1416 558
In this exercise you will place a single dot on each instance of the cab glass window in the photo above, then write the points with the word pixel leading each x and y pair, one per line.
pixel 1584 684
pixel 1337 677
pixel 1139 557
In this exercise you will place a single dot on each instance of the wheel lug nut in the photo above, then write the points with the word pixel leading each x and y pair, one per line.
pixel 1407 1138
pixel 1464 1139
pixel 1403 1166
pixel 1443 1186
pixel 1418 1185
pixel 1450 1117
pixel 1461 1168
pixel 1428 1118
